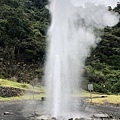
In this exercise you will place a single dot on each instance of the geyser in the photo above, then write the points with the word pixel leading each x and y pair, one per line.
pixel 70 37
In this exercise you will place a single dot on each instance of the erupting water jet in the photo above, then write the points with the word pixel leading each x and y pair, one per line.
pixel 70 38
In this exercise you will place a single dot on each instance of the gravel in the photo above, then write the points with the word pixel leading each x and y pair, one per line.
pixel 22 110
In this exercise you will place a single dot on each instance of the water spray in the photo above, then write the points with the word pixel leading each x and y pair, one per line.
pixel 71 36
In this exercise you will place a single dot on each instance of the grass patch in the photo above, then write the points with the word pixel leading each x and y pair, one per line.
pixel 8 83
pixel 96 97
pixel 110 99
pixel 25 97
pixel 99 98
pixel 23 86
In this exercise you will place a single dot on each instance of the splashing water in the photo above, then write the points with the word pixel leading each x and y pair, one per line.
pixel 70 38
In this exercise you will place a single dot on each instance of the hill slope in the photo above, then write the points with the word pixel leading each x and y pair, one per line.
pixel 23 26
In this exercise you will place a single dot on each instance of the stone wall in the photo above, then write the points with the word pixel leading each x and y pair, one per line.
pixel 10 92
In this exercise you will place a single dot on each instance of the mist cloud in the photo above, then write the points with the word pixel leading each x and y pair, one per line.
pixel 97 2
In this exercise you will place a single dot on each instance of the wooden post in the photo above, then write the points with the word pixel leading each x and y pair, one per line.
pixel 90 88
pixel 91 95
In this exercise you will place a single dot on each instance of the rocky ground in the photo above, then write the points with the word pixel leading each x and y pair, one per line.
pixel 18 110
pixel 11 111
pixel 23 110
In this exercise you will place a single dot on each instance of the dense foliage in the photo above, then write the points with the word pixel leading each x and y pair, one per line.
pixel 23 26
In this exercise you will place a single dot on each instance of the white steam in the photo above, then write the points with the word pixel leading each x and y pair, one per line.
pixel 107 3
pixel 70 38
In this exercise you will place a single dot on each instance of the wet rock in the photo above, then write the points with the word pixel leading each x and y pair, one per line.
pixel 43 98
pixel 42 118
pixel 111 116
pixel 37 114
pixel 70 119
pixel 84 119
pixel 100 115
pixel 53 118
pixel 8 113
pixel 79 119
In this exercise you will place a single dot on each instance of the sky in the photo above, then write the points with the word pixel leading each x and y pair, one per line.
pixel 111 3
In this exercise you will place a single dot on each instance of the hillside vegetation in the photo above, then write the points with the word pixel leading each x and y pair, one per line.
pixel 23 26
